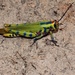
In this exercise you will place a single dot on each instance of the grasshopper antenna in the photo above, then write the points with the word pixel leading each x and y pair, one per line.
pixel 65 12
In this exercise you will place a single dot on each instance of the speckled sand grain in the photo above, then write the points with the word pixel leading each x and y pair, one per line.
pixel 16 55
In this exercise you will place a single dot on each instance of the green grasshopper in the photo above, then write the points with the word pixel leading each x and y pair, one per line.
pixel 35 30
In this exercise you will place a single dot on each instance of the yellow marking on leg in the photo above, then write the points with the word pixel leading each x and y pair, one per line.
pixel 9 35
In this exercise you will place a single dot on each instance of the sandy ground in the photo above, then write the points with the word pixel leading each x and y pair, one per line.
pixel 16 55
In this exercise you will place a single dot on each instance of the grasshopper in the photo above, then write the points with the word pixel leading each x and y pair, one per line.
pixel 35 30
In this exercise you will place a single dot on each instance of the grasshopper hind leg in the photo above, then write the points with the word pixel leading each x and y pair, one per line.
pixel 36 38
pixel 34 41
pixel 9 35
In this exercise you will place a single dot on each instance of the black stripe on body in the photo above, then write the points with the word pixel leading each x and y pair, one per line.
pixel 41 23
pixel 45 30
pixel 48 22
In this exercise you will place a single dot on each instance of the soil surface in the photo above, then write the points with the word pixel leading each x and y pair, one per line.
pixel 43 58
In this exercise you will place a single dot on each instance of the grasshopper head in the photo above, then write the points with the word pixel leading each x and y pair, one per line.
pixel 55 26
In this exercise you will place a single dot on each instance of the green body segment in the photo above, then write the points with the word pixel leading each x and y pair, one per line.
pixel 28 29
pixel 35 30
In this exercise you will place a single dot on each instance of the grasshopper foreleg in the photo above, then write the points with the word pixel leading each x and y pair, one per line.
pixel 52 39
